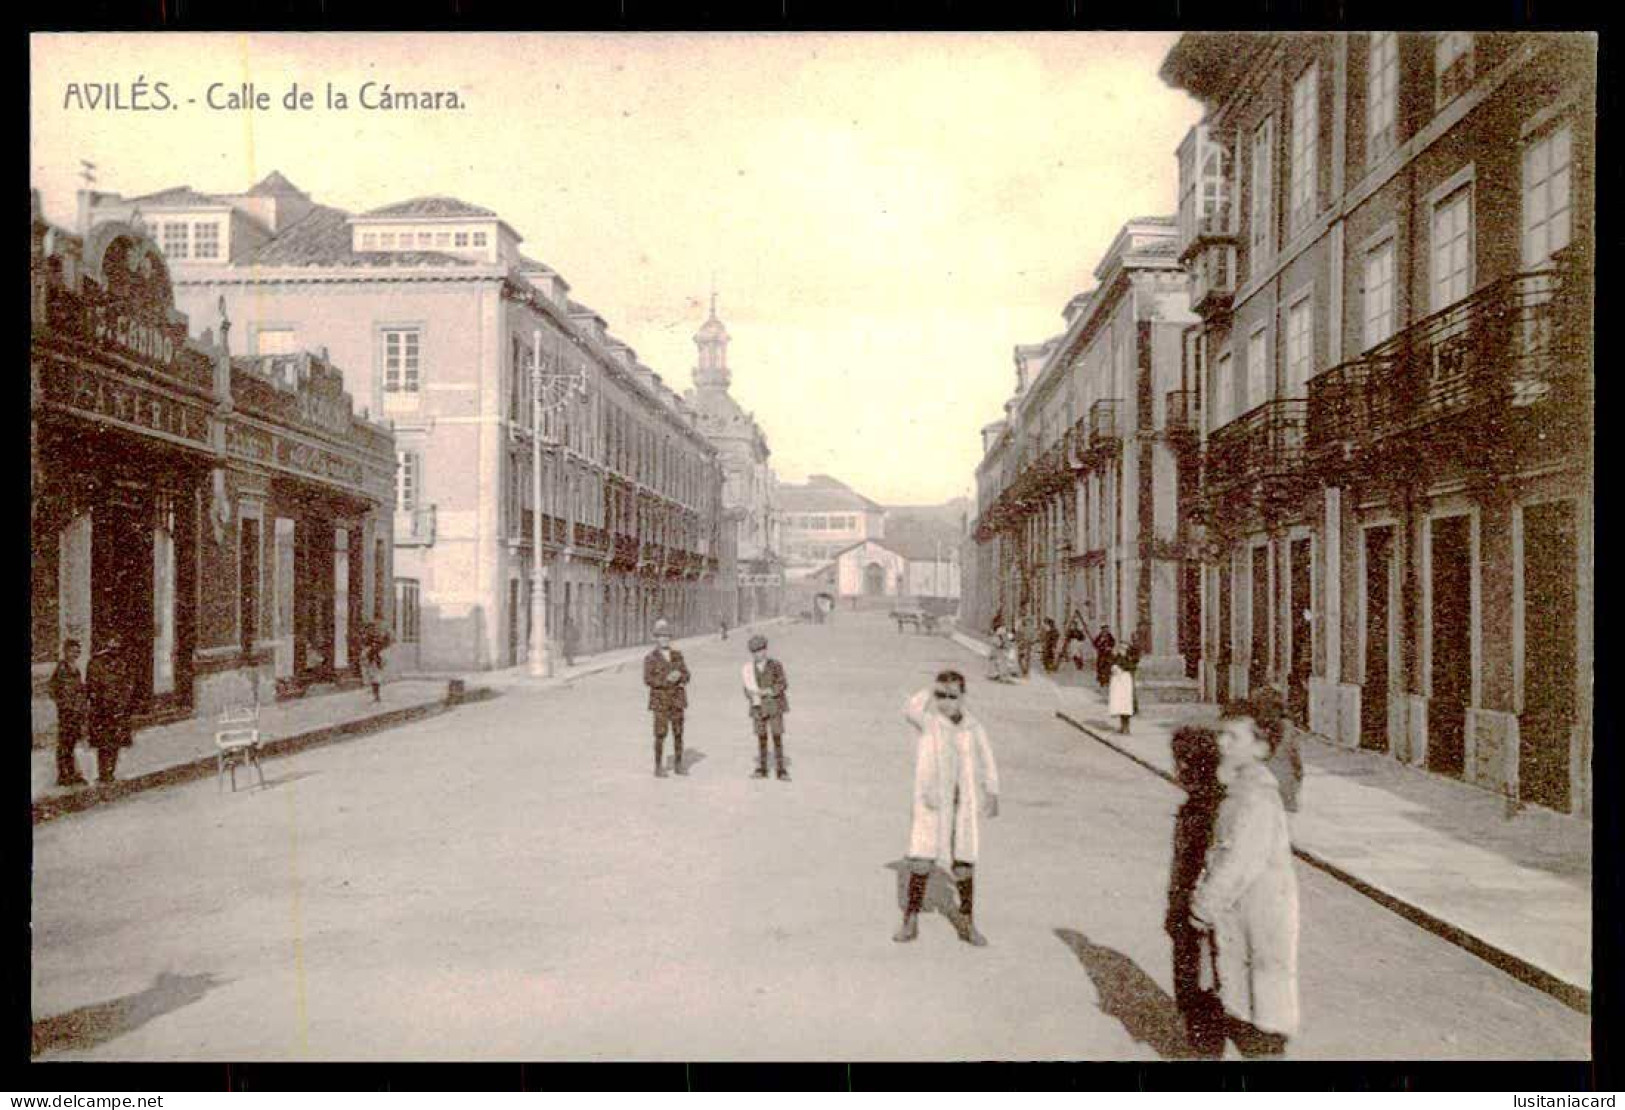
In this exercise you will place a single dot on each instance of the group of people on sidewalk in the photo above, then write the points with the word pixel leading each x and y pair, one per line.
pixel 98 706
pixel 1010 654
pixel 762 679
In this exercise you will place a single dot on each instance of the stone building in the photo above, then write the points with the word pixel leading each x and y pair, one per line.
pixel 228 520
pixel 441 322
pixel 1389 241
pixel 754 587
pixel 1081 487
pixel 822 518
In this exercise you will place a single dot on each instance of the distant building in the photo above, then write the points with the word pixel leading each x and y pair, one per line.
pixel 1084 487
pixel 752 585
pixel 440 321
pixel 821 519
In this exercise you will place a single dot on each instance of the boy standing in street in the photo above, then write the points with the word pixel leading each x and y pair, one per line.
pixel 666 675
pixel 956 783
pixel 765 689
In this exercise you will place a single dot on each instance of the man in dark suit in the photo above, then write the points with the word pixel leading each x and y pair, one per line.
pixel 766 689
pixel 666 675
pixel 107 682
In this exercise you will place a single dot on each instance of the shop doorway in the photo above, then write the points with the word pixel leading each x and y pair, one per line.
pixel 1550 653
pixel 874 579
pixel 1225 631
pixel 1302 633
pixel 1378 617
pixel 121 546
pixel 1258 600
pixel 313 601
pixel 1451 644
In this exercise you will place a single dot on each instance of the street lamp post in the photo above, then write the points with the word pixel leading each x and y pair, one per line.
pixel 539 661
pixel 540 656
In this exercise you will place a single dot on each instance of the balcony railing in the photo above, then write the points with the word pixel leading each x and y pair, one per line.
pixel 626 550
pixel 589 538
pixel 1505 347
pixel 1266 442
pixel 414 527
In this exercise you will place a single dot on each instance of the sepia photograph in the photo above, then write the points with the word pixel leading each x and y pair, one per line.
pixel 826 547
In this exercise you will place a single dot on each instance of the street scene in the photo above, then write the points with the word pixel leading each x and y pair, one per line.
pixel 813 547
pixel 479 887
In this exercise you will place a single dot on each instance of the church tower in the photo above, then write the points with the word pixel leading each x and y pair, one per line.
pixel 712 341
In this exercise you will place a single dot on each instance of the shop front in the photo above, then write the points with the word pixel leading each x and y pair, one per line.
pixel 216 519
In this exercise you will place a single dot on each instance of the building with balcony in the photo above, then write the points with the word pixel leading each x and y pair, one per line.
pixel 442 324
pixel 1389 237
pixel 1082 487
pixel 228 520
pixel 752 588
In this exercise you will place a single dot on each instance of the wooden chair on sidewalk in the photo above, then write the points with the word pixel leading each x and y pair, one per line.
pixel 237 742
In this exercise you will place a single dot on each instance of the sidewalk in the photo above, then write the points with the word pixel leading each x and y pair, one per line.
pixel 186 749
pixel 1514 891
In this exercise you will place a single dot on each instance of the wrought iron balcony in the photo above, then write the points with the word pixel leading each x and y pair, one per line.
pixel 1263 444
pixel 625 551
pixel 554 531
pixel 590 539
pixel 414 527
pixel 1510 349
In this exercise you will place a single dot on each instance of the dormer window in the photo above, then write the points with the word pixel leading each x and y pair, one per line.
pixel 206 240
pixel 176 240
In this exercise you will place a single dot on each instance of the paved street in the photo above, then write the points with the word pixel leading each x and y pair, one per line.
pixel 510 881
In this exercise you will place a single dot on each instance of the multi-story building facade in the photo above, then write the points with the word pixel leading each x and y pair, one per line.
pixel 1389 242
pixel 1081 486
pixel 227 520
pixel 752 587
pixel 444 322
pixel 821 519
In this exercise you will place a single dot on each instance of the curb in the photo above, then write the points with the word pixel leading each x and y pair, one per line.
pixel 1576 998
pixel 62 805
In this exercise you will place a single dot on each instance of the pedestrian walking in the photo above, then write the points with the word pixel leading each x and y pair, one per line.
pixel 375 640
pixel 110 694
pixel 72 705
pixel 666 675
pixel 766 689
pixel 1247 898
pixel 1196 765
pixel 1077 638
pixel 1052 641
pixel 724 624
pixel 1104 644
pixel 956 783
pixel 1026 638
pixel 998 652
pixel 1120 699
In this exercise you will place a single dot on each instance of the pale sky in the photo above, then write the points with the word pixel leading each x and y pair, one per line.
pixel 886 215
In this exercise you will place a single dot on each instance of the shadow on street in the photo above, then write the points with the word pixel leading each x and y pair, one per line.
pixel 1131 996
pixel 91 1025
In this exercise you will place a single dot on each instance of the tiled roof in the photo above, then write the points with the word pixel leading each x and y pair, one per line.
pixel 431 206
pixel 818 497
pixel 324 237
pixel 179 195
pixel 273 184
